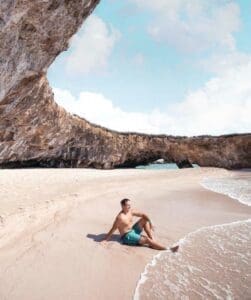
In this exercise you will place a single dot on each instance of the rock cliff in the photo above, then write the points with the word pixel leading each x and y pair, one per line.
pixel 36 132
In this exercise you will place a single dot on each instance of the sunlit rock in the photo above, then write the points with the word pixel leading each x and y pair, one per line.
pixel 36 132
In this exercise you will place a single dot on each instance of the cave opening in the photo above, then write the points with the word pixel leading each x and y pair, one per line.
pixel 158 163
pixel 161 163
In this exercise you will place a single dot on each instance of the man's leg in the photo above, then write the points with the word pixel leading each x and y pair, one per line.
pixel 144 224
pixel 153 244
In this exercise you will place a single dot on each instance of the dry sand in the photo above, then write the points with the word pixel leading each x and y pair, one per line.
pixel 52 219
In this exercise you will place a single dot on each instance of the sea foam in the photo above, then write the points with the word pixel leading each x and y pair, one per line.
pixel 237 186
pixel 213 262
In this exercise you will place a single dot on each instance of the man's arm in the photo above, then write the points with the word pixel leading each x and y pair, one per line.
pixel 142 215
pixel 109 234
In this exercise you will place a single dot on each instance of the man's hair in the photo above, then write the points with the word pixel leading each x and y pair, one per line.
pixel 124 201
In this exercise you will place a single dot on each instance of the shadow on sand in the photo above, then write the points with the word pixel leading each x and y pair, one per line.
pixel 99 237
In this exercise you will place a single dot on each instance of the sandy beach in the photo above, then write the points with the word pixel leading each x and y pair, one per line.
pixel 51 221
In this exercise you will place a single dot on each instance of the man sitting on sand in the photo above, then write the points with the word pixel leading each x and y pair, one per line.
pixel 132 235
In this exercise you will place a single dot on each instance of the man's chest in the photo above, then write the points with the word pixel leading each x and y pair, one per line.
pixel 127 219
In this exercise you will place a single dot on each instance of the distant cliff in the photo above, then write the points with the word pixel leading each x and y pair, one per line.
pixel 36 132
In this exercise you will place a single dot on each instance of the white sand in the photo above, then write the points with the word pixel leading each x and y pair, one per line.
pixel 51 219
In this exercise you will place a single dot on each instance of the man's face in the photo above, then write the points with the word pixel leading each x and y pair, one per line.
pixel 127 206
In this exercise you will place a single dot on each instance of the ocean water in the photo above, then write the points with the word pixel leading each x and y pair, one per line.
pixel 213 262
pixel 170 166
pixel 237 186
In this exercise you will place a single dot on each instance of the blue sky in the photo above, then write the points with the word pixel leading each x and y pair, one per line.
pixel 152 67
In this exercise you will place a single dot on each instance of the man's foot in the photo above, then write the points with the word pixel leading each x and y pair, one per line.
pixel 174 249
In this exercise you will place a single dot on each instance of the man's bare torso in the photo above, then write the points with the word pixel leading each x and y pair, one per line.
pixel 125 222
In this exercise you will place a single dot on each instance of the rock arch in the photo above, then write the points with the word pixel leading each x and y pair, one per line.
pixel 36 132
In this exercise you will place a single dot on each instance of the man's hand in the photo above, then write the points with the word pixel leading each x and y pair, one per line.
pixel 109 234
pixel 103 241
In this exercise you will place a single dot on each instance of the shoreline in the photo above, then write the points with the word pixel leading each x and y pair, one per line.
pixel 176 289
pixel 143 276
pixel 182 241
pixel 174 198
pixel 233 175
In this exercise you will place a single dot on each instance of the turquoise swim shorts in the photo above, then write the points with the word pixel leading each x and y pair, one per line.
pixel 132 237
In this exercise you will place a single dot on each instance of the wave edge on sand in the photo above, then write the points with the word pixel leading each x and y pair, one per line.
pixel 206 288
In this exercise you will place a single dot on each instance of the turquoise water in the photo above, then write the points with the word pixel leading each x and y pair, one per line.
pixel 161 166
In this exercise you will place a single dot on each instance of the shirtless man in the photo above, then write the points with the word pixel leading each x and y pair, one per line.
pixel 132 234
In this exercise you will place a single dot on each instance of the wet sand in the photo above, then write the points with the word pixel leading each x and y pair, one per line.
pixel 51 221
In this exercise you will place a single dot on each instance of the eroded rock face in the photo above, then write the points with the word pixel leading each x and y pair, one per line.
pixel 36 131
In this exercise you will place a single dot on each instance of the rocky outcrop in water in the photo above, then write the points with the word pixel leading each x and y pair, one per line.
pixel 36 132
pixel 184 164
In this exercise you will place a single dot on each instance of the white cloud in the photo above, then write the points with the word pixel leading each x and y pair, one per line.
pixel 100 110
pixel 91 47
pixel 194 25
pixel 220 63
pixel 221 106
